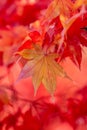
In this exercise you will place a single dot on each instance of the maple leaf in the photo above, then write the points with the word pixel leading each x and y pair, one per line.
pixel 74 38
pixel 42 67
pixel 59 7
pixel 73 52
pixel 79 3
pixel 65 7
pixel 35 36
pixel 32 38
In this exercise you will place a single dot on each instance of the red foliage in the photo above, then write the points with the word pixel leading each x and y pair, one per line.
pixel 40 40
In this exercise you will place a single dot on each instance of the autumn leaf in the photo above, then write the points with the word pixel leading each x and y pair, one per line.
pixel 75 37
pixel 33 37
pixel 79 3
pixel 27 45
pixel 65 7
pixel 42 67
pixel 73 51
pixel 59 7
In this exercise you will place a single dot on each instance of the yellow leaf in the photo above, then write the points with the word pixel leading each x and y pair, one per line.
pixel 43 68
pixel 57 7
pixel 65 7
pixel 79 3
